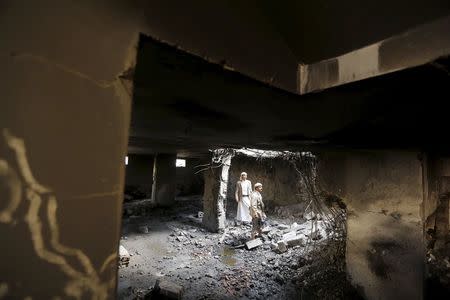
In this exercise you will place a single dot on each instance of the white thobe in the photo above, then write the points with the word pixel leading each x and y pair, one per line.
pixel 243 210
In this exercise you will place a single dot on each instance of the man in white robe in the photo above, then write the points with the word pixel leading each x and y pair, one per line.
pixel 242 195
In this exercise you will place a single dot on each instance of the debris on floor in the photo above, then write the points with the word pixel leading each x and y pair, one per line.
pixel 278 265
pixel 166 289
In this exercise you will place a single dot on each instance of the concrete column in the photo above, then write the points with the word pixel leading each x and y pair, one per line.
pixel 215 194
pixel 164 183
pixel 139 173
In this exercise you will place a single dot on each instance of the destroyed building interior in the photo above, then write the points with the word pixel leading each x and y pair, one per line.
pixel 126 127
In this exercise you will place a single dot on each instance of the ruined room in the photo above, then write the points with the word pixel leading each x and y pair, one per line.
pixel 126 126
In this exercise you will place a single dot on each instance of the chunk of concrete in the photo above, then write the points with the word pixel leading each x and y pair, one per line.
pixel 281 247
pixel 295 241
pixel 167 289
pixel 124 257
pixel 200 214
pixel 253 244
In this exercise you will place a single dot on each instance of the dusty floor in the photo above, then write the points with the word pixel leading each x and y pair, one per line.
pixel 210 266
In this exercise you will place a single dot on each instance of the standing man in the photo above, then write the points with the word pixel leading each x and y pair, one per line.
pixel 257 210
pixel 242 195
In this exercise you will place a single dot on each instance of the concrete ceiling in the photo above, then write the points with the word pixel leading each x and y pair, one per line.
pixel 234 79
pixel 267 40
pixel 322 29
pixel 184 103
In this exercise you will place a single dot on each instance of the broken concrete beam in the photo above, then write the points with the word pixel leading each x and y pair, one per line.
pixel 167 289
pixel 295 241
pixel 124 257
pixel 253 244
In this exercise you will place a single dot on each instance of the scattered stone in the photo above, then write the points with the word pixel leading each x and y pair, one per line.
pixel 253 244
pixel 281 247
pixel 280 279
pixel 181 238
pixel 273 246
pixel 295 241
pixel 167 289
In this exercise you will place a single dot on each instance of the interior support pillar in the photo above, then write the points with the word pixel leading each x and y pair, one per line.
pixel 164 184
pixel 215 194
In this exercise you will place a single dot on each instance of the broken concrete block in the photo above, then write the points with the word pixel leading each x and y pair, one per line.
pixel 295 241
pixel 124 257
pixel 167 289
pixel 200 214
pixel 281 247
pixel 253 244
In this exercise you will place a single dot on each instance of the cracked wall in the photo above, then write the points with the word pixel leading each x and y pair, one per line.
pixel 384 193
pixel 278 177
pixel 62 96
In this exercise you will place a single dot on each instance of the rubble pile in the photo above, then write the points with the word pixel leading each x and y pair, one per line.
pixel 289 259
pixel 438 270
pixel 277 236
